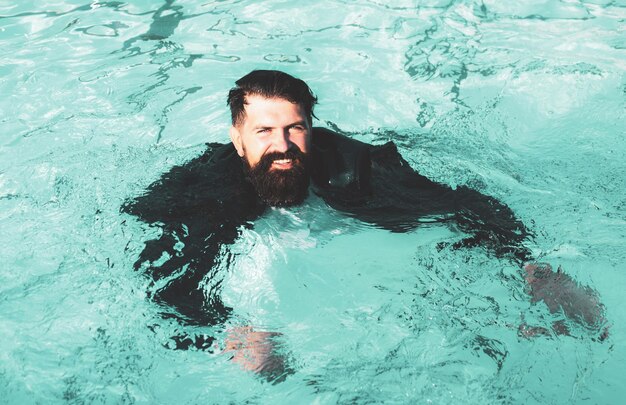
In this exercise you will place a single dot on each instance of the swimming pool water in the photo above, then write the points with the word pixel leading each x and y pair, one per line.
pixel 525 102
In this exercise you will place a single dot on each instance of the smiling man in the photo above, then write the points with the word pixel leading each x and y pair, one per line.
pixel 271 131
pixel 275 159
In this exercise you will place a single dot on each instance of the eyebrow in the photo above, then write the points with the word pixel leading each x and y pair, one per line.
pixel 303 123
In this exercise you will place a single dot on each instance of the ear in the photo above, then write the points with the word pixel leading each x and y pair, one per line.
pixel 235 137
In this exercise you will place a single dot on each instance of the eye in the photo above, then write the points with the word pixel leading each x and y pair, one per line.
pixel 298 128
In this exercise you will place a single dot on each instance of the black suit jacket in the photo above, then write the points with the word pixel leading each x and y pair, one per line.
pixel 202 204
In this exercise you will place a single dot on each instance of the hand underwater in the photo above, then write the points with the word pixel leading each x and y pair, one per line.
pixel 256 351
pixel 563 294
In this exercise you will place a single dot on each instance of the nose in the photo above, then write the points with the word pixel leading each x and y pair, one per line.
pixel 281 140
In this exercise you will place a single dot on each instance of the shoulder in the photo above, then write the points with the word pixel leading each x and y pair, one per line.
pixel 330 142
pixel 327 139
pixel 324 138
pixel 195 184
pixel 339 161
pixel 347 160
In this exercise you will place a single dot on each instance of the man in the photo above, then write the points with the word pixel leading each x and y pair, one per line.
pixel 275 159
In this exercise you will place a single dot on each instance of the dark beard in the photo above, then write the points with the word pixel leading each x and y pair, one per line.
pixel 280 187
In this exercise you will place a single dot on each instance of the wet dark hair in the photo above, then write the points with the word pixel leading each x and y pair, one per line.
pixel 269 84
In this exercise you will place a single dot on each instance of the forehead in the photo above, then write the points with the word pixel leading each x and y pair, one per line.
pixel 275 111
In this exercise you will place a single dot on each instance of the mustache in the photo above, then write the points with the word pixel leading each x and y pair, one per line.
pixel 294 154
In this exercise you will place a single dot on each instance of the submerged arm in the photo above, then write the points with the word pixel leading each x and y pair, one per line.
pixel 397 198
pixel 491 224
pixel 198 207
pixel 376 185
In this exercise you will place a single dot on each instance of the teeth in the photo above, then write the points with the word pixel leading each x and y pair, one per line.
pixel 282 161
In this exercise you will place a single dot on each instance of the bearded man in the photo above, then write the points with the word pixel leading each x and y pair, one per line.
pixel 271 132
pixel 275 159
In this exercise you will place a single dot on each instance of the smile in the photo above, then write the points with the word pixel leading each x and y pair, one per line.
pixel 282 163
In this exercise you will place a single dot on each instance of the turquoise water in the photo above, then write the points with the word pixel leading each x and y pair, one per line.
pixel 525 102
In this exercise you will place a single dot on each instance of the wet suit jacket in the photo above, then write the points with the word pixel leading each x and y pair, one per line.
pixel 202 204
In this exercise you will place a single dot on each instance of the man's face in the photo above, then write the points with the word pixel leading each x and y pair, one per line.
pixel 273 140
pixel 271 125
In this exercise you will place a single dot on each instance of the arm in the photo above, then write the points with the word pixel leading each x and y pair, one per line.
pixel 258 351
pixel 199 207
pixel 384 190
pixel 491 224
pixel 399 199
